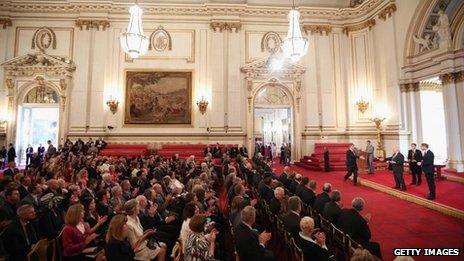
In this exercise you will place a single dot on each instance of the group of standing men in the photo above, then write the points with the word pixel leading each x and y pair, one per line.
pixel 419 161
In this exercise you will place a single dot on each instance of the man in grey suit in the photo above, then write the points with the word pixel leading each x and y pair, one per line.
pixel 370 157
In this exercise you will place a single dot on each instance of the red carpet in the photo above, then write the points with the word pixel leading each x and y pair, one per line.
pixel 396 223
pixel 449 193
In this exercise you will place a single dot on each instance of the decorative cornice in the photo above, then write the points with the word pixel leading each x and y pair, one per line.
pixel 321 29
pixel 205 9
pixel 231 26
pixel 448 78
pixel 409 87
pixel 351 28
pixel 90 23
pixel 4 22
pixel 387 11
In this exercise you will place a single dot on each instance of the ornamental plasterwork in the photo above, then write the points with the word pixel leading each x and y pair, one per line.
pixel 351 28
pixel 260 68
pixel 160 40
pixel 87 24
pixel 318 29
pixel 272 96
pixel 30 64
pixel 4 22
pixel 219 26
pixel 43 39
pixel 409 87
pixel 387 11
pixel 452 77
pixel 72 7
pixel 271 42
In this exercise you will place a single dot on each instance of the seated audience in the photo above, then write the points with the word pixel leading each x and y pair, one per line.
pixel 117 246
pixel 190 210
pixel 322 198
pixel 312 244
pixel 75 238
pixel 332 209
pixel 199 246
pixel 292 219
pixel 357 226
pixel 251 245
pixel 21 234
pixel 306 191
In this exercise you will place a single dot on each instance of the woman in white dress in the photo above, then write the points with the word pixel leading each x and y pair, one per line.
pixel 135 233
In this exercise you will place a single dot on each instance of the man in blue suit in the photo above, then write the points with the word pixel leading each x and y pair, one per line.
pixel 428 169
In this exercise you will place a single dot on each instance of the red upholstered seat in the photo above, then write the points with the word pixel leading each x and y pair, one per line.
pixel 315 161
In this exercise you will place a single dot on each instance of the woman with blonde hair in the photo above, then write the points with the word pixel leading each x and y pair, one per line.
pixel 135 235
pixel 117 246
pixel 74 236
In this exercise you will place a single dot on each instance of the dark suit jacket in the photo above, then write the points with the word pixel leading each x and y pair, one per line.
pixel 22 191
pixel 274 206
pixel 284 179
pixel 414 156
pixel 307 196
pixel 398 166
pixel 9 173
pixel 29 199
pixel 16 246
pixel 247 244
pixel 331 212
pixel 292 223
pixel 320 201
pixel 427 162
pixel 351 161
pixel 310 250
pixel 266 193
pixel 11 154
pixel 352 223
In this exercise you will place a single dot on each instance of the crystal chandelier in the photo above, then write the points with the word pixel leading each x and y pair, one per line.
pixel 133 41
pixel 295 45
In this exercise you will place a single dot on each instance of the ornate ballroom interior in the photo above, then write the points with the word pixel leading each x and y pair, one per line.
pixel 226 71
pixel 375 59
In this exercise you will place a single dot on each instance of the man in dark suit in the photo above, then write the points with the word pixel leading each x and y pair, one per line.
pixel 351 165
pixel 33 197
pixel 415 156
pixel 275 205
pixel 11 171
pixel 292 219
pixel 21 234
pixel 284 176
pixel 265 190
pixel 41 151
pixel 396 162
pixel 332 208
pixel 306 191
pixel 322 198
pixel 355 225
pixel 8 209
pixel 428 169
pixel 23 188
pixel 11 154
pixel 251 245
pixel 29 152
pixel 313 248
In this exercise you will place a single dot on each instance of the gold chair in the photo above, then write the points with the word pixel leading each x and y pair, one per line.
pixel 41 251
pixel 339 238
pixel 352 245
pixel 297 252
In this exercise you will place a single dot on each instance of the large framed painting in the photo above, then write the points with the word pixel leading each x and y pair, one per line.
pixel 158 97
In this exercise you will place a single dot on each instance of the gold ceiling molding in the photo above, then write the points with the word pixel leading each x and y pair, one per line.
pixel 30 64
pixel 387 11
pixel 452 77
pixel 4 22
pixel 205 9
pixel 322 29
pixel 356 27
pixel 88 24
pixel 409 87
pixel 219 26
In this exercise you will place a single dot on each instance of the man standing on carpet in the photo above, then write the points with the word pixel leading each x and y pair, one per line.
pixel 351 165
pixel 414 157
pixel 428 168
pixel 397 163
pixel 370 157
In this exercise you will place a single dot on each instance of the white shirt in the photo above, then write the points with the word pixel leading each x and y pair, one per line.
pixel 185 230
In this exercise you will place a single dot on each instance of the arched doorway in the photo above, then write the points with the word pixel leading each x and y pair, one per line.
pixel 273 120
pixel 37 119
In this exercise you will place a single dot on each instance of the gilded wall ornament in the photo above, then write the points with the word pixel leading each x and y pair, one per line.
pixel 63 85
pixel 387 11
pixel 160 40
pixel 318 29
pixel 10 84
pixel 43 39
pixel 4 22
pixel 271 42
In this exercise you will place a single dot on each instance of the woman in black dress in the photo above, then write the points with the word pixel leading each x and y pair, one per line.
pixel 117 247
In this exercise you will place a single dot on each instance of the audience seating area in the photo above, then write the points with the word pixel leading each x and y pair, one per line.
pixel 186 150
pixel 315 161
pixel 125 150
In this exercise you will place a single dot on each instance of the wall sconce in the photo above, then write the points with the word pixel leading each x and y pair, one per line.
pixel 362 105
pixel 112 104
pixel 202 105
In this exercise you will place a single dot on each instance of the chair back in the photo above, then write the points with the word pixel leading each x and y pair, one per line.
pixel 41 251
pixel 339 237
pixel 297 252
pixel 177 251
pixel 352 245
pixel 58 245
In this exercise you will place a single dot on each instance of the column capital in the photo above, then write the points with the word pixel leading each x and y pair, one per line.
pixel 92 24
pixel 455 77
pixel 409 87
pixel 5 22
pixel 322 29
pixel 231 26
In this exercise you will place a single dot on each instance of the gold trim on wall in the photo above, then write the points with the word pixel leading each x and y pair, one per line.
pixel 387 11
pixel 357 27
pixel 5 22
pixel 55 29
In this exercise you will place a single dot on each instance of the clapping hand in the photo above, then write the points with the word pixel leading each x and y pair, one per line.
pixel 102 219
pixel 148 233
pixel 367 217
pixel 320 238
pixel 264 237
pixel 90 238
pixel 362 157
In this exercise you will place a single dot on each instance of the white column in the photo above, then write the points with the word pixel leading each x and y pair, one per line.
pixel 453 97
pixel 217 77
